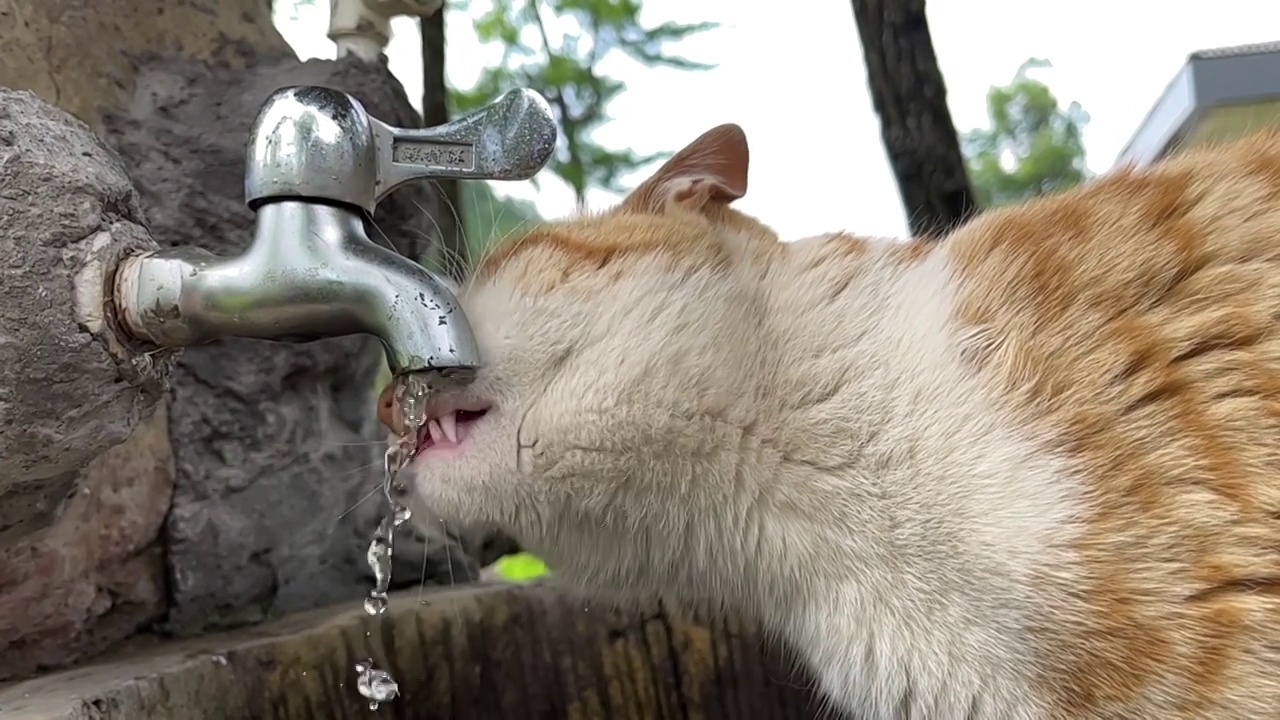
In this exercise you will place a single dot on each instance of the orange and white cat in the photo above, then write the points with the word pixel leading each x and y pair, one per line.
pixel 1029 471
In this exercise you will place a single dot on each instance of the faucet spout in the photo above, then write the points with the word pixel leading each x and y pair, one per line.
pixel 311 272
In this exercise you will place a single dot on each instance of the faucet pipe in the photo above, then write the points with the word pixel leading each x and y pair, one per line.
pixel 363 27
pixel 311 272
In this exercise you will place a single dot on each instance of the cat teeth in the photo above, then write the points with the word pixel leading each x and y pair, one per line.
pixel 434 430
pixel 447 424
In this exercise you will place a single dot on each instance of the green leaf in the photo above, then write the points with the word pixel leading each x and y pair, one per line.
pixel 488 219
pixel 520 567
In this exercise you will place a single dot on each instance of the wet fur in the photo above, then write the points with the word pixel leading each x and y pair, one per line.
pixel 1029 471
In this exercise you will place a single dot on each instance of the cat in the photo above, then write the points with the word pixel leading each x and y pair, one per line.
pixel 1028 470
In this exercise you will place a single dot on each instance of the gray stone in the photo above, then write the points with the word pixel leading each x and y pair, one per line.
pixel 97 574
pixel 80 512
pixel 67 394
pixel 273 443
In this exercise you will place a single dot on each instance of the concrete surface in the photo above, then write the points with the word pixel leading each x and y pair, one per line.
pixel 82 55
pixel 96 575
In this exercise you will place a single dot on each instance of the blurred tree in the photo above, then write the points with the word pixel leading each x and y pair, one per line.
pixel 1033 147
pixel 910 97
pixel 556 47
pixel 489 217
pixel 477 216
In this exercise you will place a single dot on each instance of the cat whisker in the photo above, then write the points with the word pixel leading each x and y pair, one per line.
pixel 362 468
pixel 386 240
pixel 422 574
pixel 461 253
pixel 448 558
pixel 361 501
pixel 435 239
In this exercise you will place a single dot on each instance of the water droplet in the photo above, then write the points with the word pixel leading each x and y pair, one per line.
pixel 375 604
pixel 376 685
pixel 402 515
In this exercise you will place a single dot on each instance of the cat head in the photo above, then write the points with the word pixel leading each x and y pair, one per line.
pixel 624 359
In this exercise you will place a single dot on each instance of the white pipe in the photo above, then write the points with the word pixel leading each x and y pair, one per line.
pixel 363 27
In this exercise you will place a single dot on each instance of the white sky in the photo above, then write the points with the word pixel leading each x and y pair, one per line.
pixel 795 81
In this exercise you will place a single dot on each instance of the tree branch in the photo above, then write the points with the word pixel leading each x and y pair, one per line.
pixel 570 134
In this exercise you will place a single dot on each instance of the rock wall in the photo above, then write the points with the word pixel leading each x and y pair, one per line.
pixel 97 574
pixel 80 565
pixel 217 499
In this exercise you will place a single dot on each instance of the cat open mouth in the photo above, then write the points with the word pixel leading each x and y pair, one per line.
pixel 448 430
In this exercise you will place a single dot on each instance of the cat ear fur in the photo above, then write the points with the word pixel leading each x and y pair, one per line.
pixel 710 170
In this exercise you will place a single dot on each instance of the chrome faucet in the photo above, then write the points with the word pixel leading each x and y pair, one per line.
pixel 317 163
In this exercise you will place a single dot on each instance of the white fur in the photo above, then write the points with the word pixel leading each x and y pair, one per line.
pixel 822 460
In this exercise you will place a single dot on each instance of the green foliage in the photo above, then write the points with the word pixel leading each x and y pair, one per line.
pixel 556 47
pixel 488 218
pixel 1033 147
pixel 520 567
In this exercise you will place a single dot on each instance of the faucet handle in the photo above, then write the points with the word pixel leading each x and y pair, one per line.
pixel 317 143
pixel 511 138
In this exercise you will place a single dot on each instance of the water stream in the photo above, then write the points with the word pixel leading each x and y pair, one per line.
pixel 411 394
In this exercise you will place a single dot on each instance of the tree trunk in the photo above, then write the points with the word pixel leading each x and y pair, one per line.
pixel 453 249
pixel 910 97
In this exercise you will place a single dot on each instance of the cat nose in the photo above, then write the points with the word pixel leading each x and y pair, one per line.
pixel 386 408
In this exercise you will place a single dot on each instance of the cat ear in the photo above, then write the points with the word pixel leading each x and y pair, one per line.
pixel 709 170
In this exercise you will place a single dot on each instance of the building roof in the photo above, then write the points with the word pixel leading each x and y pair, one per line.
pixel 1210 79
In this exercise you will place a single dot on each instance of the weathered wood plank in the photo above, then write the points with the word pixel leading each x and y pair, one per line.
pixel 479 652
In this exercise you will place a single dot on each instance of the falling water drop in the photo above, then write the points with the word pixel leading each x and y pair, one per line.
pixel 375 603
pixel 402 515
pixel 411 394
pixel 376 685
pixel 381 548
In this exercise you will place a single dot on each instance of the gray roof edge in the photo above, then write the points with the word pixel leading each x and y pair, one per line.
pixel 1166 118
pixel 1265 48
pixel 1209 78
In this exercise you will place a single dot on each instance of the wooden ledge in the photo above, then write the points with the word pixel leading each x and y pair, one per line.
pixel 479 652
